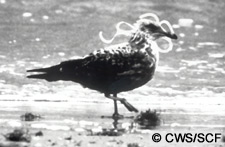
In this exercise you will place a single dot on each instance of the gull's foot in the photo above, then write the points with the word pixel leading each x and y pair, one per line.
pixel 117 116
pixel 128 105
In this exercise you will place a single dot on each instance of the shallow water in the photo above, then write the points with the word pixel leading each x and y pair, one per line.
pixel 188 86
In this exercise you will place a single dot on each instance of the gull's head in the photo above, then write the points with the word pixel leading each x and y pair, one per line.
pixel 155 29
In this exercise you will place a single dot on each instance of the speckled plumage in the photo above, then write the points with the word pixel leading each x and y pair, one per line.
pixel 111 70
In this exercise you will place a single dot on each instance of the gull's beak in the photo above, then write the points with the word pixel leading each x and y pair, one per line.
pixel 160 32
pixel 170 35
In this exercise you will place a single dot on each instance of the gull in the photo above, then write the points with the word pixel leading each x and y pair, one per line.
pixel 116 68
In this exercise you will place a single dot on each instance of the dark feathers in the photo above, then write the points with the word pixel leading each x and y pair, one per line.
pixel 108 71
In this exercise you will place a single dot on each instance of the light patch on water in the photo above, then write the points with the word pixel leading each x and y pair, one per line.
pixel 97 130
pixel 84 123
pixel 81 123
pixel 182 35
pixel 193 48
pixel 61 54
pixel 212 65
pixel 32 20
pixel 194 62
pixel 193 125
pixel 202 67
pixel 36 64
pixel 196 34
pixel 180 49
pixel 166 90
pixel 10 69
pixel 183 78
pixel 14 123
pixel 175 86
pixel 58 11
pixel 50 127
pixel 76 57
pixel 21 63
pixel 165 69
pixel 2 56
pixel 185 22
pixel 203 80
pixel 37 39
pixel 2 1
pixel 199 27
pixel 79 130
pixel 209 44
pixel 221 70
pixel 12 41
pixel 46 56
pixel 181 42
pixel 215 30
pixel 34 90
pixel 175 26
pixel 69 121
pixel 200 93
pixel 216 55
pixel 2 81
pixel 196 113
pixel 173 125
pixel 27 14
pixel 45 17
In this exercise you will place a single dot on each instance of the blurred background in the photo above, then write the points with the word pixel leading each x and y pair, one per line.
pixel 188 86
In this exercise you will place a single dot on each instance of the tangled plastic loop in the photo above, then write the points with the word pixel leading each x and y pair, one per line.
pixel 134 28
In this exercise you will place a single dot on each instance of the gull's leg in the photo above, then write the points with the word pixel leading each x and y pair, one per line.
pixel 115 108
pixel 116 115
pixel 123 101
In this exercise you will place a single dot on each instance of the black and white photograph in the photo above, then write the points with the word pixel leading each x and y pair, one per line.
pixel 110 73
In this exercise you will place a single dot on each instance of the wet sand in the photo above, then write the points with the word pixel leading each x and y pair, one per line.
pixel 63 126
